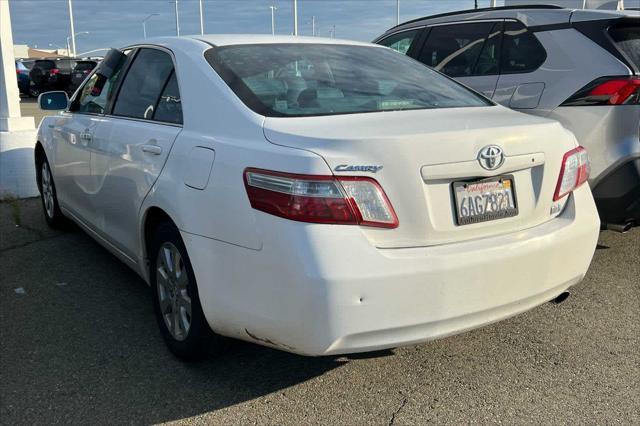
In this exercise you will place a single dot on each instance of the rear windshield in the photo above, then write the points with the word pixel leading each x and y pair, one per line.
pixel 627 39
pixel 47 65
pixel 293 80
pixel 83 66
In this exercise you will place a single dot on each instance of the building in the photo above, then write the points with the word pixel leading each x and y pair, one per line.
pixel 23 51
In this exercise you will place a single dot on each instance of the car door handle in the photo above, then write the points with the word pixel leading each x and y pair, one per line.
pixel 152 149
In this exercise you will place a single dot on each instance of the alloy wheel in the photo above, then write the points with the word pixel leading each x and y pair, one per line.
pixel 172 281
pixel 47 190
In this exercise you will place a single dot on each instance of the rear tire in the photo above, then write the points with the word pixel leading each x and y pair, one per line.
pixel 175 296
pixel 49 196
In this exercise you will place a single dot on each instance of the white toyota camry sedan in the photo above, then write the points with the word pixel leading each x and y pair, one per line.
pixel 317 196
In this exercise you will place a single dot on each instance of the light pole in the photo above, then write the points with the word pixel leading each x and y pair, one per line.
pixel 58 48
pixel 273 19
pixel 312 21
pixel 144 24
pixel 73 45
pixel 333 31
pixel 177 20
pixel 295 17
pixel 73 31
pixel 397 12
pixel 201 19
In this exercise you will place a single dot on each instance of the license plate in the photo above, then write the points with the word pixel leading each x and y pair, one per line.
pixel 484 200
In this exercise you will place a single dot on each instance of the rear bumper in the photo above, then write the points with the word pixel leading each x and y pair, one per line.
pixel 617 193
pixel 321 290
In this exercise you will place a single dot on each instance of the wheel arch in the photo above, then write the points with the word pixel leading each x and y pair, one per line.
pixel 153 216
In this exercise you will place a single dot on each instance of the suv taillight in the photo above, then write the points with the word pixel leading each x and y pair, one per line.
pixel 574 172
pixel 607 91
pixel 344 200
pixel 54 71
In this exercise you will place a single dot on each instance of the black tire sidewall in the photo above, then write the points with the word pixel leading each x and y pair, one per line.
pixel 199 336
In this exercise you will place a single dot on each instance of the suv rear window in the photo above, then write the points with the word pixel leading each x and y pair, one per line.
pixel 85 66
pixel 294 80
pixel 47 65
pixel 627 39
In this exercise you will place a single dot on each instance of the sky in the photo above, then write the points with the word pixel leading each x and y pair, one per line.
pixel 115 23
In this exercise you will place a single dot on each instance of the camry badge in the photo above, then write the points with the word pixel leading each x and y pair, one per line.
pixel 491 157
pixel 350 168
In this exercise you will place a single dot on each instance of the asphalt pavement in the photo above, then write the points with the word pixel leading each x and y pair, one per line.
pixel 79 344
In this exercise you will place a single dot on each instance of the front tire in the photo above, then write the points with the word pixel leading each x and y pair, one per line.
pixel 175 296
pixel 49 196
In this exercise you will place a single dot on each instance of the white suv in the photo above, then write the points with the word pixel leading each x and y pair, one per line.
pixel 313 195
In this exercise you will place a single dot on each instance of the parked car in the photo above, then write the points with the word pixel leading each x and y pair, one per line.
pixel 82 69
pixel 580 67
pixel 23 77
pixel 50 74
pixel 314 195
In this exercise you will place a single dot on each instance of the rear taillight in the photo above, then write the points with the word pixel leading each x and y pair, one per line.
pixel 574 172
pixel 320 199
pixel 608 91
pixel 54 71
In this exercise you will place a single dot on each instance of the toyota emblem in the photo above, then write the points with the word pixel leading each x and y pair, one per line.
pixel 491 157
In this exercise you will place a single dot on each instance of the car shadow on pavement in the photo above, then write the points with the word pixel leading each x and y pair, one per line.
pixel 81 344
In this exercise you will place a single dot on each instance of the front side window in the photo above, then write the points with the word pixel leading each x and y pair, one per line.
pixel 93 97
pixel 143 84
pixel 521 50
pixel 288 80
pixel 455 49
pixel 400 42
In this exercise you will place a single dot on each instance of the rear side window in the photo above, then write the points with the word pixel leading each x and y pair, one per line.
pixel 489 61
pixel 143 84
pixel 521 50
pixel 456 49
pixel 627 39
pixel 401 42
pixel 169 107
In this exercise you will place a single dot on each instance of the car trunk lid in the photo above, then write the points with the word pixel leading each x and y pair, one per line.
pixel 422 153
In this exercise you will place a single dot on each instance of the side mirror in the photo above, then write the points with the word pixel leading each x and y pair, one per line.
pixel 53 101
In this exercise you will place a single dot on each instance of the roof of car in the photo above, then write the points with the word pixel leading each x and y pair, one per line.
pixel 530 14
pixel 235 39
